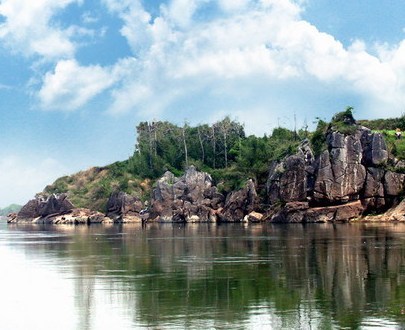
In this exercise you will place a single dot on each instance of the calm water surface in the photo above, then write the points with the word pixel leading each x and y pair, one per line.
pixel 202 276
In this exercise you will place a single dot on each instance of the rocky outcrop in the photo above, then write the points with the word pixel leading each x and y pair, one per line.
pixel 374 149
pixel 348 179
pixel 45 206
pixel 396 214
pixel 190 198
pixel 340 174
pixel 301 212
pixel 289 180
pixel 74 217
pixel 55 209
pixel 351 177
pixel 122 207
pixel 194 198
pixel 239 203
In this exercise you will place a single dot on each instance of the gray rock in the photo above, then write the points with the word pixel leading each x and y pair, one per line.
pixel 121 205
pixel 393 183
pixel 374 149
pixel 287 181
pixel 239 203
pixel 340 175
pixel 45 206
pixel 192 197
pixel 373 196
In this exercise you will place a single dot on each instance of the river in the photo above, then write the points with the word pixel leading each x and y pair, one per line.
pixel 230 276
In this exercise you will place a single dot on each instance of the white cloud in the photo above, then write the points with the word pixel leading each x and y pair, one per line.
pixel 22 177
pixel 28 28
pixel 89 18
pixel 233 5
pixel 186 49
pixel 71 86
pixel 180 12
pixel 267 42
pixel 136 20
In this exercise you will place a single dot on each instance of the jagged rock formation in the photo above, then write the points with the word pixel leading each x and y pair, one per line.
pixel 55 209
pixel 239 204
pixel 346 180
pixel 45 206
pixel 190 198
pixel 122 207
pixel 396 213
pixel 289 180
pixel 350 177
pixel 194 198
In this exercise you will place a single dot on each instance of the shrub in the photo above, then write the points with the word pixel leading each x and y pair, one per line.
pixel 318 138
pixel 344 122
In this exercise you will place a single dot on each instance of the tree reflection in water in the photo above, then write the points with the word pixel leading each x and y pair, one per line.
pixel 284 276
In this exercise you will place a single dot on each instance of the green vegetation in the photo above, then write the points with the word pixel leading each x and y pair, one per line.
pixel 318 138
pixel 13 208
pixel 344 122
pixel 388 127
pixel 92 188
pixel 395 146
pixel 221 149
pixel 389 124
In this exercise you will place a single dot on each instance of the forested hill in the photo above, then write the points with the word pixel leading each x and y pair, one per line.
pixel 13 208
pixel 221 149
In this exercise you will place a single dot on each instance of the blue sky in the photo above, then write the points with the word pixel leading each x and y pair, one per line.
pixel 76 76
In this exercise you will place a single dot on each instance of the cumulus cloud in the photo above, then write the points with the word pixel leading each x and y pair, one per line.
pixel 71 85
pixel 28 28
pixel 25 176
pixel 268 42
pixel 192 46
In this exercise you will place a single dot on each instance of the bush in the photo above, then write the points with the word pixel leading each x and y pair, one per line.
pixel 344 122
pixel 318 138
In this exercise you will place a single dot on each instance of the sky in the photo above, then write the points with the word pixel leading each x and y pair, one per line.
pixel 77 76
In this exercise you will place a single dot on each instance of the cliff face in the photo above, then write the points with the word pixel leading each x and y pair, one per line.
pixel 347 179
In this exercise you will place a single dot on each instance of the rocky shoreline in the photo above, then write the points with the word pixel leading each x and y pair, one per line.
pixel 352 179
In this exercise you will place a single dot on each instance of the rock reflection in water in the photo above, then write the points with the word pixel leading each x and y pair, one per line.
pixel 280 276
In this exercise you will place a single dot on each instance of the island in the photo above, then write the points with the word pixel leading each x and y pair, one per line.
pixel 343 171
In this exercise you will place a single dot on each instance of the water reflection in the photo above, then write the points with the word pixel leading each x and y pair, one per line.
pixel 319 276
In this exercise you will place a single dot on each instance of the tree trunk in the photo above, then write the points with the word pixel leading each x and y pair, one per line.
pixel 185 144
pixel 213 145
pixel 201 144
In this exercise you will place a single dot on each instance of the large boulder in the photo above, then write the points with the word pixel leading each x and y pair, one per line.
pixel 340 174
pixel 56 209
pixel 43 206
pixel 239 203
pixel 287 180
pixel 302 213
pixel 373 195
pixel 374 149
pixel 124 207
pixel 291 179
pixel 190 198
pixel 393 183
